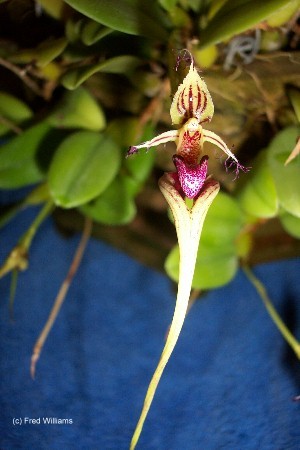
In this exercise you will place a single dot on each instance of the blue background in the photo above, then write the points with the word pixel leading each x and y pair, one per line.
pixel 229 384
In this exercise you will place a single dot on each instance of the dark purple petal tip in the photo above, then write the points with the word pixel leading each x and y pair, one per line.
pixel 131 151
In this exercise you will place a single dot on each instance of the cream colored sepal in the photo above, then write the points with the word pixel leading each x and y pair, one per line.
pixel 188 223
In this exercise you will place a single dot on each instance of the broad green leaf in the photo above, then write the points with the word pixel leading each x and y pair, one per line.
pixel 236 16
pixel 140 166
pixel 217 258
pixel 126 131
pixel 206 57
pixel 290 223
pixel 213 268
pixel 82 168
pixel 92 32
pixel 286 178
pixel 167 4
pixel 114 206
pixel 223 222
pixel 258 198
pixel 284 14
pixel 214 7
pixel 13 108
pixel 78 109
pixel 148 83
pixel 119 64
pixel 140 17
pixel 195 5
pixel 85 30
pixel 19 158
pixel 53 7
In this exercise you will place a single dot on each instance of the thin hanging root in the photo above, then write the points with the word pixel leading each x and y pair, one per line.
pixel 61 294
pixel 262 292
pixel 188 223
pixel 12 294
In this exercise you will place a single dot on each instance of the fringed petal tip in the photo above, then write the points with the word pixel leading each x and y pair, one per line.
pixel 131 151
pixel 232 162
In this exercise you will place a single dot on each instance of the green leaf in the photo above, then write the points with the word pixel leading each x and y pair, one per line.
pixel 286 178
pixel 290 223
pixel 223 222
pixel 18 158
pixel 140 166
pixel 217 260
pixel 213 268
pixel 167 4
pixel 92 32
pixel 129 16
pixel 195 5
pixel 54 8
pixel 126 131
pixel 43 54
pixel 82 168
pixel 237 16
pixel 13 110
pixel 78 109
pixel 119 64
pixel 114 206
pixel 258 198
pixel 284 14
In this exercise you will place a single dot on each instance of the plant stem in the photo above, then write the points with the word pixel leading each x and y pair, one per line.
pixel 12 293
pixel 261 290
pixel 21 73
pixel 30 233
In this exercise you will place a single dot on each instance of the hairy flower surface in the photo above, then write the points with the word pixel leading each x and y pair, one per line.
pixel 192 105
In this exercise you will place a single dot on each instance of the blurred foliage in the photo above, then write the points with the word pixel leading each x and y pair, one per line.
pixel 83 80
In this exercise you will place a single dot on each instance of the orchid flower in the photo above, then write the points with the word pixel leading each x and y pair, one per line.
pixel 192 105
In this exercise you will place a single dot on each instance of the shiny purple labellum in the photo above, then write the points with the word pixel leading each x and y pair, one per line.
pixel 191 177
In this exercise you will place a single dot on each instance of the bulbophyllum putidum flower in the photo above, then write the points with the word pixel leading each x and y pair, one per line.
pixel 191 107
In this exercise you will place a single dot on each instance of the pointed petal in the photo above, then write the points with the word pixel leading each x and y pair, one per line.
pixel 192 99
pixel 188 225
pixel 168 136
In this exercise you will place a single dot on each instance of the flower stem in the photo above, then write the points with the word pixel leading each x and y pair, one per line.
pixel 261 290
